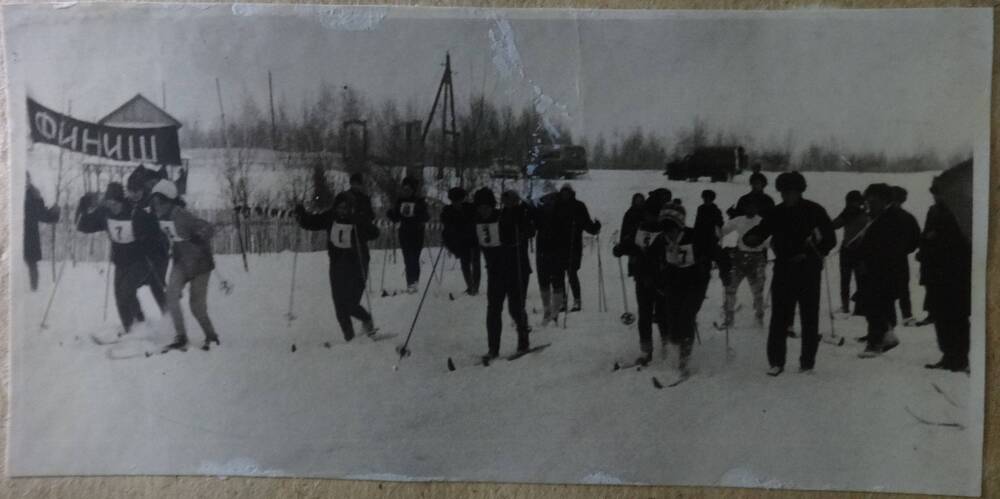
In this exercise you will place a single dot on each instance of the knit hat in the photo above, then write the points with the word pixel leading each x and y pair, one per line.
pixel 484 196
pixel 880 191
pixel 166 189
pixel 137 179
pixel 758 177
pixel 114 192
pixel 673 213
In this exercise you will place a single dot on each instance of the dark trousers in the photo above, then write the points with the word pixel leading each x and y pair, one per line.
pixel 905 307
pixel 953 340
pixel 650 307
pixel 794 284
pixel 411 260
pixel 347 289
pixel 574 282
pixel 128 279
pixel 471 268
pixel 683 302
pixel 848 268
pixel 157 280
pixel 507 286
pixel 33 274
pixel 880 314
pixel 551 274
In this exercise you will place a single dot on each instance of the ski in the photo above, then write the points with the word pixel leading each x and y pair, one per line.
pixel 836 340
pixel 381 336
pixel 682 378
pixel 720 327
pixel 518 355
pixel 625 366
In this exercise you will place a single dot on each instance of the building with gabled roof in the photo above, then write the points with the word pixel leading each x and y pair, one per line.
pixel 139 112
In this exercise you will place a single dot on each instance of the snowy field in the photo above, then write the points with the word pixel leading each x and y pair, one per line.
pixel 255 407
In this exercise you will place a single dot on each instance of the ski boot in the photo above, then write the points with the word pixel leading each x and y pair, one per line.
pixel 576 306
pixel 775 371
pixel 489 357
pixel 644 359
pixel 180 343
pixel 208 342
pixel 411 289
pixel 368 328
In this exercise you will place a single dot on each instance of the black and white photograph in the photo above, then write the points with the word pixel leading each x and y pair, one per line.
pixel 706 248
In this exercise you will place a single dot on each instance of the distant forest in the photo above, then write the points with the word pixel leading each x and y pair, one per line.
pixel 488 131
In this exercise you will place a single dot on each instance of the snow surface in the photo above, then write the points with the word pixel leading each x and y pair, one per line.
pixel 254 407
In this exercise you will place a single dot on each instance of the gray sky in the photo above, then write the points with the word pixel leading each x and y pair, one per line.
pixel 890 81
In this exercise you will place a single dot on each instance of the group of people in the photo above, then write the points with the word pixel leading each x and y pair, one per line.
pixel 670 261
pixel 149 231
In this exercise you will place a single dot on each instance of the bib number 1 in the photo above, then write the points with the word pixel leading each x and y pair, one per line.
pixel 340 235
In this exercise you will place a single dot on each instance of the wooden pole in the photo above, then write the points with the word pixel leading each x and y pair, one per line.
pixel 270 94
pixel 222 114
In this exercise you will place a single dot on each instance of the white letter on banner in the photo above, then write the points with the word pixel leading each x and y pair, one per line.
pixel 46 125
pixel 87 142
pixel 67 141
pixel 142 149
pixel 113 152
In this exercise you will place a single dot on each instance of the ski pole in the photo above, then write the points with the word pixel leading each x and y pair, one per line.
pixel 52 295
pixel 291 292
pixel 107 284
pixel 364 272
pixel 385 259
pixel 402 349
pixel 829 300
pixel 603 301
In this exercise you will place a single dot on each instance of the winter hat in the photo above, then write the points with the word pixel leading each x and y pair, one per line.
pixel 343 197
pixel 708 195
pixel 855 197
pixel 791 181
pixel 166 189
pixel 758 177
pixel 456 194
pixel 899 194
pixel 484 196
pixel 137 179
pixel 879 191
pixel 673 213
pixel 114 192
pixel 652 206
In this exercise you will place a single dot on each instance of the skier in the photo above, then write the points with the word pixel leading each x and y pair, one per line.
pixel 802 235
pixel 552 253
pixel 852 219
pixel 646 249
pixel 686 274
pixel 410 212
pixel 138 187
pixel 764 202
pixel 946 271
pixel 579 222
pixel 748 262
pixel 35 212
pixel 910 232
pixel 708 220
pixel 630 223
pixel 879 250
pixel 502 235
pixel 348 229
pixel 459 237
pixel 134 235
pixel 190 238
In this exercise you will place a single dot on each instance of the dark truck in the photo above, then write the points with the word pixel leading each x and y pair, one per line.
pixel 558 161
pixel 720 163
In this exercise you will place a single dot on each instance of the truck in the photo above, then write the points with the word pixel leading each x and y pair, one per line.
pixel 719 163
pixel 557 161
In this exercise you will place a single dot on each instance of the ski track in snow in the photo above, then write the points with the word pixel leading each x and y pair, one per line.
pixel 252 407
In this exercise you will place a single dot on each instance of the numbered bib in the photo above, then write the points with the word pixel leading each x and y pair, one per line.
pixel 170 231
pixel 407 209
pixel 644 238
pixel 680 255
pixel 489 234
pixel 120 231
pixel 340 235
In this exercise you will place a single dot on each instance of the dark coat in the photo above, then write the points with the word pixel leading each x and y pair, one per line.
pixel 802 230
pixel 630 223
pixel 945 258
pixel 510 254
pixel 764 204
pixel 707 222
pixel 148 240
pixel 647 256
pixel 411 226
pixel 35 212
pixel 879 252
pixel 352 253
pixel 458 228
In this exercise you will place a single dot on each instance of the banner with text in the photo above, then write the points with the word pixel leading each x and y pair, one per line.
pixel 157 145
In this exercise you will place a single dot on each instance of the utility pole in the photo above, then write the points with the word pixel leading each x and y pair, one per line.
pixel 270 95
pixel 449 132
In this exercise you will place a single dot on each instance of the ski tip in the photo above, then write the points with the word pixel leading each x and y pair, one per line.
pixel 451 296
pixel 657 384
pixel 451 364
pixel 841 342
pixel 148 354
pixel 616 367
pixel 294 348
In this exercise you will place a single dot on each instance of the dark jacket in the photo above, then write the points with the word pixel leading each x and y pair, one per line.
pixel 852 219
pixel 191 241
pixel 561 224
pixel 35 212
pixel 411 215
pixel 764 204
pixel 347 238
pixel 363 203
pixel 514 228
pixel 687 262
pixel 879 251
pixel 804 229
pixel 135 235
pixel 645 248
pixel 458 228
pixel 945 258
pixel 707 222
pixel 630 223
